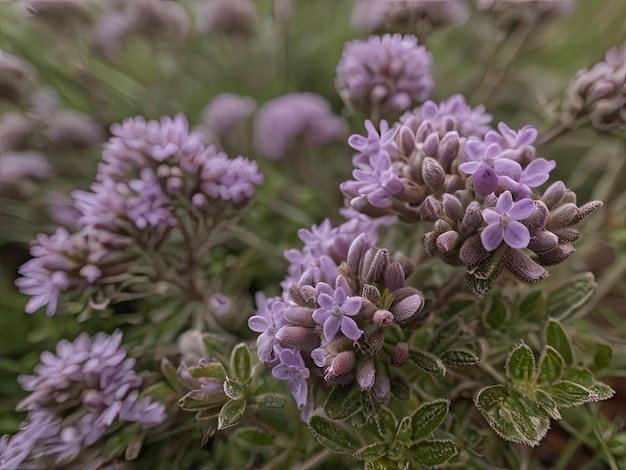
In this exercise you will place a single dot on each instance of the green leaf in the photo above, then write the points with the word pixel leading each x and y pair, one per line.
pixel 533 304
pixel 241 363
pixel 234 389
pixel 567 394
pixel 495 316
pixel 251 438
pixel 584 377
pixel 568 298
pixel 170 374
pixel 332 435
pixel 603 356
pixel 433 453
pixel 371 452
pixel 428 417
pixel 231 413
pixel 404 430
pixel 380 464
pixel 556 337
pixel 509 417
pixel 212 370
pixel 520 364
pixel 270 401
pixel 551 365
pixel 342 402
pixel 459 357
pixel 547 404
pixel 427 362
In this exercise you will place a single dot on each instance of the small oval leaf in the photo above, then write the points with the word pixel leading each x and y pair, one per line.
pixel 520 364
pixel 433 453
pixel 428 417
pixel 459 357
pixel 551 365
pixel 241 363
pixel 332 435
pixel 427 362
pixel 556 337
pixel 231 413
pixel 564 301
pixel 342 402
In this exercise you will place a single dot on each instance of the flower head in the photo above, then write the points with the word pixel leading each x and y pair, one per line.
pixel 503 223
pixel 384 75
pixel 284 122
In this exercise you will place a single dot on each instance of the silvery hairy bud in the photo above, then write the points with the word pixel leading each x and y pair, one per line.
pixel 381 390
pixel 407 309
pixel 342 364
pixel 453 207
pixel 448 241
pixel 323 355
pixel 374 270
pixel 299 316
pixel 400 354
pixel 298 337
pixel 372 341
pixel 366 374
pixel 523 267
pixel 394 276
pixel 383 318
pixel 433 174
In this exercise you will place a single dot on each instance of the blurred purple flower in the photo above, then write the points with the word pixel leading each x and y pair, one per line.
pixel 503 223
pixel 384 75
pixel 334 312
pixel 237 17
pixel 149 206
pixel 293 119
pixel 15 166
pixel 226 111
pixel 292 369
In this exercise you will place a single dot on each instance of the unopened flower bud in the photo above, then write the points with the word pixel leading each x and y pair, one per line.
pixel 220 304
pixel 371 293
pixel 376 269
pixel 566 235
pixel 557 254
pixel 367 309
pixel 431 208
pixel 394 276
pixel 300 316
pixel 538 218
pixel 586 209
pixel 441 226
pixel 563 216
pixel 406 140
pixel 448 241
pixel 472 219
pixel 342 363
pixel 449 150
pixel 430 147
pixel 381 390
pixel 543 241
pixel 554 194
pixel 433 174
pixel 356 251
pixel 523 267
pixel 298 337
pixel 452 207
pixel 472 252
pixel 400 354
pixel 366 374
pixel 429 240
pixel 383 318
pixel 405 310
pixel 309 294
pixel 372 340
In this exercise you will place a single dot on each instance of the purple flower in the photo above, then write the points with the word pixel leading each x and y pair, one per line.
pixel 226 111
pixel 40 426
pixel 282 123
pixel 335 311
pixel 20 165
pixel 453 114
pixel 503 223
pixel 226 16
pixel 374 144
pixel 384 75
pixel 267 321
pixel 149 207
pixel 535 174
pixel 488 163
pixel 292 369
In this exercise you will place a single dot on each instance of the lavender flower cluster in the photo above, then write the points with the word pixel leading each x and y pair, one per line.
pixel 157 178
pixel 443 163
pixel 76 395
pixel 341 294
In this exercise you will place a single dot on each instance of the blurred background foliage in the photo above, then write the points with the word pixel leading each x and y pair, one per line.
pixel 294 46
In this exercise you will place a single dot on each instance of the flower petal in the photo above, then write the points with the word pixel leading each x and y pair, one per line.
pixel 485 180
pixel 491 216
pixel 331 327
pixel 505 202
pixel 516 235
pixel 522 209
pixel 352 305
pixel 491 237
pixel 350 328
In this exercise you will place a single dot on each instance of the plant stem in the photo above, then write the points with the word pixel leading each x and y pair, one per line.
pixel 315 460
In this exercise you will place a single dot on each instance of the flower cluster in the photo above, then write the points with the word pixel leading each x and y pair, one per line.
pixel 417 17
pixel 156 178
pixel 384 76
pixel 330 324
pixel 511 14
pixel 479 187
pixel 284 124
pixel 76 396
pixel 599 92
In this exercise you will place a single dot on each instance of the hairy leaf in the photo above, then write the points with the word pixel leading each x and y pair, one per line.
pixel 241 363
pixel 568 298
pixel 332 435
pixel 428 417
pixel 342 402
pixel 433 453
pixel 556 337
pixel 459 357
pixel 371 452
pixel 427 362
pixel 551 365
pixel 231 413
pixel 520 364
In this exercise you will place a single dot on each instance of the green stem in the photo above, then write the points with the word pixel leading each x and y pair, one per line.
pixel 315 460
